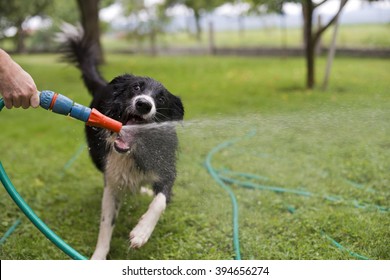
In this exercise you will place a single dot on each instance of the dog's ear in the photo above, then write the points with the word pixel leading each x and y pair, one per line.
pixel 177 109
pixel 120 81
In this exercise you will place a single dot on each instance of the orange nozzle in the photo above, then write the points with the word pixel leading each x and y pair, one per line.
pixel 99 120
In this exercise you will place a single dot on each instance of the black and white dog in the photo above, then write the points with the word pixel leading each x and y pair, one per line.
pixel 135 156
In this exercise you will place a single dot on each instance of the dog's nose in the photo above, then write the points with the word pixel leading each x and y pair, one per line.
pixel 143 106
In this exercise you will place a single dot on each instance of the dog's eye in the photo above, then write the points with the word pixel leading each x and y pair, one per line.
pixel 137 87
pixel 161 98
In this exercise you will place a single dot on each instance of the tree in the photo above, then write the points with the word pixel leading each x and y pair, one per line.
pixel 146 20
pixel 16 13
pixel 58 12
pixel 197 7
pixel 64 10
pixel 311 36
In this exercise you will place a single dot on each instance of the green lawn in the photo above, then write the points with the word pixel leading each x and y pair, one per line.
pixel 332 144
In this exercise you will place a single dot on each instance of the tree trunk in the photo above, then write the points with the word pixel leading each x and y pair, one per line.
pixel 198 26
pixel 311 38
pixel 332 51
pixel 20 38
pixel 307 9
pixel 153 41
pixel 211 38
pixel 318 45
pixel 89 11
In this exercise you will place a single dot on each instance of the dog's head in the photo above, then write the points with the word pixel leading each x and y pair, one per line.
pixel 141 100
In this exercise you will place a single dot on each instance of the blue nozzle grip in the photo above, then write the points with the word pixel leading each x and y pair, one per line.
pixel 80 112
pixel 63 105
pixel 45 98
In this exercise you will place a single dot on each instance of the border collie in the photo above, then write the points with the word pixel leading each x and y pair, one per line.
pixel 137 155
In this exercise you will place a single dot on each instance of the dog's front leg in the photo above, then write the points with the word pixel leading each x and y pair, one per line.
pixel 110 209
pixel 141 233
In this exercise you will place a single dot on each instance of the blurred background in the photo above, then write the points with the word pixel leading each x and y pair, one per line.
pixel 216 27
pixel 126 25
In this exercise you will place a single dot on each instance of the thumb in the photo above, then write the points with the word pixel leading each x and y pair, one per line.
pixel 34 100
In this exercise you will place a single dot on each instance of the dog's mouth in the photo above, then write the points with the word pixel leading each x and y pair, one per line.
pixel 135 120
pixel 125 139
pixel 120 145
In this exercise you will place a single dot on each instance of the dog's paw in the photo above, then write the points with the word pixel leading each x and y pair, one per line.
pixel 140 235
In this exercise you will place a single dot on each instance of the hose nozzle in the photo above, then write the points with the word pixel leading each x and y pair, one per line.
pixel 61 104
pixel 97 119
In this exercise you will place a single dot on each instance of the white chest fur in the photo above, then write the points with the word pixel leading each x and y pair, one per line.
pixel 121 172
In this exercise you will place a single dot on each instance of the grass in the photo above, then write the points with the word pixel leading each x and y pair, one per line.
pixel 334 143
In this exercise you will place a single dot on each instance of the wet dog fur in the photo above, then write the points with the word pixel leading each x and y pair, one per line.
pixel 133 157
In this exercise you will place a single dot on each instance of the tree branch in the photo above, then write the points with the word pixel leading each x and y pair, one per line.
pixel 319 4
pixel 317 35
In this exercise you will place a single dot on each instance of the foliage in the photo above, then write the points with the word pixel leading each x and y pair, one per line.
pixel 19 10
pixel 145 18
pixel 64 10
pixel 59 11
pixel 311 35
pixel 202 5
pixel 15 13
pixel 268 6
pixel 198 8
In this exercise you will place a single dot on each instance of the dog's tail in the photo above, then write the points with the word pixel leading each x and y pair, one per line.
pixel 77 51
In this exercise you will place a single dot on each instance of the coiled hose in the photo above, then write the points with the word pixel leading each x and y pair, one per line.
pixel 30 214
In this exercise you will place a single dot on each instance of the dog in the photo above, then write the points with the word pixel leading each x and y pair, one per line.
pixel 141 153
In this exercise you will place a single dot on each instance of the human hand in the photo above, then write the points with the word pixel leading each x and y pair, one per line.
pixel 16 85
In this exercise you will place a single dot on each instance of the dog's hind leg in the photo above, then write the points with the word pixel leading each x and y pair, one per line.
pixel 141 233
pixel 110 209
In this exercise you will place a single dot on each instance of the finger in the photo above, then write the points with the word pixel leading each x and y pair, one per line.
pixel 25 102
pixel 8 103
pixel 16 101
pixel 34 100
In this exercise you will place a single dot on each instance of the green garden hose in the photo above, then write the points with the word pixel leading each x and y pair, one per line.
pixel 30 214
pixel 10 231
pixel 216 177
pixel 222 177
